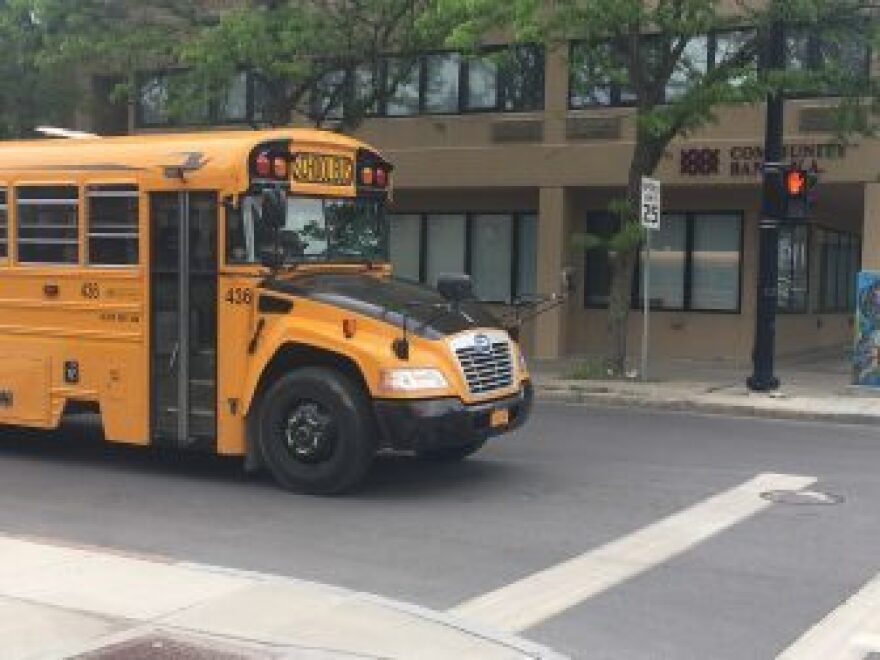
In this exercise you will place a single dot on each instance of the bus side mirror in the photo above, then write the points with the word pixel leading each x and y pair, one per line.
pixel 273 209
pixel 455 287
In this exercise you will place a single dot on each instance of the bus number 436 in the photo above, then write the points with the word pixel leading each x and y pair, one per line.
pixel 239 296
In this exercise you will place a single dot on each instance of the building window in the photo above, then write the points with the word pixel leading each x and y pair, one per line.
pixel 668 249
pixel 693 65
pixel 715 262
pixel 597 274
pixel 526 250
pixel 48 219
pixel 498 250
pixel 4 225
pixel 505 79
pixel 329 95
pixel 794 269
pixel 482 84
pixel 491 247
pixel 521 79
pixel 152 103
pixel 112 225
pixel 598 74
pixel 446 246
pixel 403 85
pixel 695 262
pixel 366 90
pixel 170 98
pixel 839 48
pixel 405 246
pixel 442 76
pixel 233 105
pixel 840 52
pixel 840 264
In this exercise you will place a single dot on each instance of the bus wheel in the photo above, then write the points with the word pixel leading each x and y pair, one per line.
pixel 316 433
pixel 452 454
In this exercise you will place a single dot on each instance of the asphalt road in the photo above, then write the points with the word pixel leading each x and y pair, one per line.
pixel 437 535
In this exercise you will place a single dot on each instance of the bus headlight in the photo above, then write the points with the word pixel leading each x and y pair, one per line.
pixel 413 380
pixel 523 365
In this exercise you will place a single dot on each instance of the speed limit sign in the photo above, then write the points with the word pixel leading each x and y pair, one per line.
pixel 650 203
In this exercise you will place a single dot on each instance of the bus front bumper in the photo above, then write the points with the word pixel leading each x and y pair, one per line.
pixel 447 423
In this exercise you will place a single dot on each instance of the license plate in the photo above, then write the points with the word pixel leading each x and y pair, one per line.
pixel 499 418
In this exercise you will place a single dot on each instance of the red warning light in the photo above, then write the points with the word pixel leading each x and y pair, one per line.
pixel 279 167
pixel 263 165
pixel 795 182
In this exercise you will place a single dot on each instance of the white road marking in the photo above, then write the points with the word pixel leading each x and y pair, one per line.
pixel 850 631
pixel 536 598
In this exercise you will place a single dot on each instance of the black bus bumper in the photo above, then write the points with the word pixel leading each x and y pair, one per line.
pixel 447 423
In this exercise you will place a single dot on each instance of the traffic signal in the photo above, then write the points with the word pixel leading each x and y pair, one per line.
pixel 798 187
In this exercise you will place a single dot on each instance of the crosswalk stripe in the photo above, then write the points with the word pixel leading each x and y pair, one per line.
pixel 538 597
pixel 850 631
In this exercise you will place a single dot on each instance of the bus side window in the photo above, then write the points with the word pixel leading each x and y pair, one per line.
pixel 4 225
pixel 48 224
pixel 112 225
pixel 236 246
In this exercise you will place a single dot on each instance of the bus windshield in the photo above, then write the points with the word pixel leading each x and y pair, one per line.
pixel 317 229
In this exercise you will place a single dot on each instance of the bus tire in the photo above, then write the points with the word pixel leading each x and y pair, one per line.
pixel 316 431
pixel 452 454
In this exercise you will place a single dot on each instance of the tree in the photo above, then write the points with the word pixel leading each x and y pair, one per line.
pixel 650 51
pixel 332 49
pixel 294 49
pixel 35 90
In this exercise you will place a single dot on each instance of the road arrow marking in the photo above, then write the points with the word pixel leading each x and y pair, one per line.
pixel 528 602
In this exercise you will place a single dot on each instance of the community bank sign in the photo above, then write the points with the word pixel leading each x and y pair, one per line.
pixel 746 161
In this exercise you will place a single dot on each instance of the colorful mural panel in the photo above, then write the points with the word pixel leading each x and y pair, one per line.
pixel 866 356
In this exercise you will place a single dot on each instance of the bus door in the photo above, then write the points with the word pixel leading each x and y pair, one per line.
pixel 183 305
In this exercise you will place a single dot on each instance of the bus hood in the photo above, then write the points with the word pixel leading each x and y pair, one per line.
pixel 388 300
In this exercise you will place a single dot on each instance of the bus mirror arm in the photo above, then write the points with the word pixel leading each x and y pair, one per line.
pixel 530 307
pixel 535 308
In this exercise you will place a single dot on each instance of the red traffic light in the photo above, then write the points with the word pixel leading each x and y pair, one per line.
pixel 795 182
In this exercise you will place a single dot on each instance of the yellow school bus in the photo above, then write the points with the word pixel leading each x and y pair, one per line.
pixel 231 292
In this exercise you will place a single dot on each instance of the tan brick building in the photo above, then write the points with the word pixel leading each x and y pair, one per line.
pixel 499 165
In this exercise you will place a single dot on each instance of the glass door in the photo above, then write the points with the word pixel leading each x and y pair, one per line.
pixel 184 318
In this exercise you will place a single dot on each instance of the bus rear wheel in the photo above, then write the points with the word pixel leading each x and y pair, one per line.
pixel 316 434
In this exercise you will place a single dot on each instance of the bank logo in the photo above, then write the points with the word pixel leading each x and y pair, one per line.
pixel 700 162
pixel 482 344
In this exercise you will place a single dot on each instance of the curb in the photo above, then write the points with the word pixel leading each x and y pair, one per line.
pixel 446 619
pixel 133 627
pixel 622 400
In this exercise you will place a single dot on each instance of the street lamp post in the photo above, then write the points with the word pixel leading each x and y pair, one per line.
pixel 763 378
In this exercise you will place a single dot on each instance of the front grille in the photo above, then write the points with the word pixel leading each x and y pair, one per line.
pixel 486 370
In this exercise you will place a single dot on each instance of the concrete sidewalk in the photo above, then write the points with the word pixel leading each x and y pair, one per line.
pixel 61 601
pixel 814 387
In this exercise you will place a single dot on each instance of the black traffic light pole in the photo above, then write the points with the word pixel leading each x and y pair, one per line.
pixel 763 378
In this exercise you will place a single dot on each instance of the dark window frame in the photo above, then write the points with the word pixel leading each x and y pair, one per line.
pixel 107 191
pixel 853 267
pixel 516 218
pixel 790 309
pixel 688 281
pixel 213 117
pixel 41 195
pixel 462 106
pixel 814 50
pixel 815 39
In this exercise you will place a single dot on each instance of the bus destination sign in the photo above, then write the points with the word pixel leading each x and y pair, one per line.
pixel 327 169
